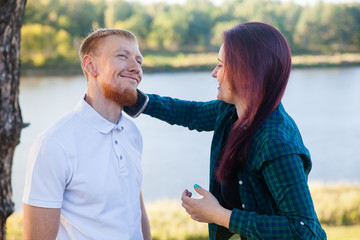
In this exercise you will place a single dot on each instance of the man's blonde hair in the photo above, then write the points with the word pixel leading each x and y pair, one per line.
pixel 91 43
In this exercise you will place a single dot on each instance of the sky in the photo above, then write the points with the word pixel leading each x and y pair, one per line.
pixel 302 2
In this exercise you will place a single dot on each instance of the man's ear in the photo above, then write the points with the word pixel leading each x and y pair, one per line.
pixel 89 65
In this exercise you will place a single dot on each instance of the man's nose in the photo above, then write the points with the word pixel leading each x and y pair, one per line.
pixel 134 66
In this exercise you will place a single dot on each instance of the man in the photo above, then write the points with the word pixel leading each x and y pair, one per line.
pixel 84 173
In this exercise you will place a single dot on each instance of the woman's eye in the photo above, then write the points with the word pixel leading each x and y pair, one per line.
pixel 122 55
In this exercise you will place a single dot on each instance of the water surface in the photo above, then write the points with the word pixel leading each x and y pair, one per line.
pixel 325 103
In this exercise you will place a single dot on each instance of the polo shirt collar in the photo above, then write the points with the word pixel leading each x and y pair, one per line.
pixel 93 118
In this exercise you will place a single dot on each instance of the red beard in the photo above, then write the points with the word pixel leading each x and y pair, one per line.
pixel 125 98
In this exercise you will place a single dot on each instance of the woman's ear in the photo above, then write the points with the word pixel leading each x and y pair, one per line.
pixel 89 65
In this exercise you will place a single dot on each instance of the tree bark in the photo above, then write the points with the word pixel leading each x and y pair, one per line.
pixel 11 16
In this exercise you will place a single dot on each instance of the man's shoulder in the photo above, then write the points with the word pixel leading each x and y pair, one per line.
pixel 60 127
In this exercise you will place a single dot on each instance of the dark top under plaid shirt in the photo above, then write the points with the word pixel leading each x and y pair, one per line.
pixel 273 186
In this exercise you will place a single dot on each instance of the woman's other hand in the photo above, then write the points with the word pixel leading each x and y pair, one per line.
pixel 206 209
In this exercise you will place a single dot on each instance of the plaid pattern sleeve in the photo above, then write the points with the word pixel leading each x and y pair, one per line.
pixel 295 217
pixel 200 116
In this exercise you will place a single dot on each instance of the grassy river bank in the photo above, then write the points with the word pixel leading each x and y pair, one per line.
pixel 192 62
pixel 337 206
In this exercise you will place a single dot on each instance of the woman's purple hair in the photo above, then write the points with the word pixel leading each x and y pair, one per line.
pixel 257 64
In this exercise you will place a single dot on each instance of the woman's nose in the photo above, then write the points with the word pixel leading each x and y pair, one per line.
pixel 214 73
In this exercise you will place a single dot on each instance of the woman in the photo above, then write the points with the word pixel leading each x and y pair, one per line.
pixel 258 164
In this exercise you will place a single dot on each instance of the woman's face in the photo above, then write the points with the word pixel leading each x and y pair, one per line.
pixel 224 89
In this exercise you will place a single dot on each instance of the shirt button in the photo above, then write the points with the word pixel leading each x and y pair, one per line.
pixel 302 223
pixel 240 182
pixel 243 206
pixel 121 157
pixel 116 142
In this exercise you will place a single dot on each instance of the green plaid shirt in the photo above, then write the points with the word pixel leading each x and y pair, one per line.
pixel 273 186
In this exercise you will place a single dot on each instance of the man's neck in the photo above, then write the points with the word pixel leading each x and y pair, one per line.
pixel 105 107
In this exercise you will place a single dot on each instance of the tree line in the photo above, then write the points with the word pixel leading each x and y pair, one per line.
pixel 53 29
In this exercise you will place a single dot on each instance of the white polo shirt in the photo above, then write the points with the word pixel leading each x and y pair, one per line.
pixel 91 169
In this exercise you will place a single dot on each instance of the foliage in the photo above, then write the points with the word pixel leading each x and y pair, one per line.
pixel 41 43
pixel 53 29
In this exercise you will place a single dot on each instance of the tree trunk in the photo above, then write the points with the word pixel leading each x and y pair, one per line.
pixel 11 16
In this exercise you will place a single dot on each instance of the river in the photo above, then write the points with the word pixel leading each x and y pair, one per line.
pixel 325 103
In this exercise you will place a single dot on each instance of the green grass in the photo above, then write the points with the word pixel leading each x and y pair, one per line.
pixel 342 232
pixel 345 59
pixel 210 59
pixel 337 206
pixel 169 221
pixel 176 226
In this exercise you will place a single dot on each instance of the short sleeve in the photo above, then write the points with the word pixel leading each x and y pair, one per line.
pixel 46 174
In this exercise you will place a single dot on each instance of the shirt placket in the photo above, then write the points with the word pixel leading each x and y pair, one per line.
pixel 120 155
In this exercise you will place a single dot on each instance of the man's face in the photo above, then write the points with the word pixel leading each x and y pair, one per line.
pixel 119 72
